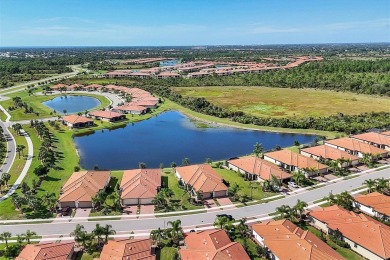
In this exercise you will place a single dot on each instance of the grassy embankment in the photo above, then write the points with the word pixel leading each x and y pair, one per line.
pixel 286 102
pixel 35 101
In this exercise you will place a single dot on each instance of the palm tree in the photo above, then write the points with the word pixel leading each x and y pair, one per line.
pixel 331 199
pixel 28 235
pixel 366 159
pixel 157 235
pixel 233 191
pixel 17 128
pixel 6 177
pixel 344 200
pixel 370 183
pixel 5 236
pixel 108 231
pixel 300 207
pixel 221 221
pixel 19 149
pixel 381 184
pixel 98 232
pixel 243 228
pixel 175 232
pixel 185 162
pixel 258 149
pixel 299 177
pixel 284 211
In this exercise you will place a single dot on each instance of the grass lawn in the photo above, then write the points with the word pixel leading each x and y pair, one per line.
pixel 35 101
pixel 286 102
pixel 166 253
pixel 252 252
pixel 19 162
pixel 234 177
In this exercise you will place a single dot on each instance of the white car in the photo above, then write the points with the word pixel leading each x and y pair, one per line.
pixel 293 184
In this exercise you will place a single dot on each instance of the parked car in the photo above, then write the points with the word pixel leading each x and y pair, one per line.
pixel 225 215
pixel 293 184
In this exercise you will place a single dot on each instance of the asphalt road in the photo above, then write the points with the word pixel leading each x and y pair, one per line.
pixel 143 225
pixel 11 150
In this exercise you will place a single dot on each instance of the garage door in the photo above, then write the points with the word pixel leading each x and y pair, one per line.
pixel 130 202
pixel 85 204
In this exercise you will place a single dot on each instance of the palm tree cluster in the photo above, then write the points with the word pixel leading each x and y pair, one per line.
pixel 3 145
pixel 369 159
pixel 11 251
pixel 379 185
pixel 343 199
pixel 93 241
pixel 336 166
pixel 271 185
pixel 18 103
pixel 295 213
pixel 46 153
pixel 165 201
pixel 4 180
pixel 171 236
pixel 29 202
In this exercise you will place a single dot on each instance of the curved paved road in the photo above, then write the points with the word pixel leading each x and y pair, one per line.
pixel 146 224
pixel 11 149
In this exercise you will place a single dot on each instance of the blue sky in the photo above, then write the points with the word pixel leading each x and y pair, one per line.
pixel 191 22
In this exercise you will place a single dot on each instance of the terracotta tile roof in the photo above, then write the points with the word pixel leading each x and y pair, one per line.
pixel 355 145
pixel 300 161
pixel 136 249
pixel 330 153
pixel 140 183
pixel 50 251
pixel 379 202
pixel 129 107
pixel 287 241
pixel 359 228
pixel 57 86
pixel 83 186
pixel 73 119
pixel 143 103
pixel 375 138
pixel 202 177
pixel 105 114
pixel 260 167
pixel 211 244
pixel 387 133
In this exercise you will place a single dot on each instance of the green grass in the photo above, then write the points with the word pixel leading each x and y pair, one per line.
pixel 19 162
pixel 166 253
pixel 252 251
pixel 35 101
pixel 234 177
pixel 286 102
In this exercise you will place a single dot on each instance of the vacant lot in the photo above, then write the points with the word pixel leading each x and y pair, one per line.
pixel 285 102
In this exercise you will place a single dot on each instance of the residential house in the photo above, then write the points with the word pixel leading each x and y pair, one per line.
pixel 364 235
pixel 255 168
pixel 326 152
pixel 131 109
pixel 107 115
pixel 375 204
pixel 81 187
pixel 355 147
pixel 211 245
pixel 294 162
pixel 202 178
pixel 285 240
pixel 134 249
pixel 376 139
pixel 140 186
pixel 76 121
pixel 47 251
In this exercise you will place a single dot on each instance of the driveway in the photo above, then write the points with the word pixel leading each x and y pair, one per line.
pixel 82 213
pixel 130 211
pixel 147 209
pixel 225 202
pixel 210 203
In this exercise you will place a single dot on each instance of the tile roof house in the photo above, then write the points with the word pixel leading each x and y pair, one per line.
pixel 326 152
pixel 134 249
pixel 366 236
pixel 285 240
pixel 81 187
pixel 140 186
pixel 202 177
pixel 257 169
pixel 354 147
pixel 294 161
pixel 76 121
pixel 211 245
pixel 376 139
pixel 375 204
pixel 130 109
pixel 49 251
pixel 107 115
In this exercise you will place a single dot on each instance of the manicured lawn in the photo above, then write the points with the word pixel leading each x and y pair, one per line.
pixel 167 253
pixel 285 102
pixel 35 101
pixel 252 252
pixel 234 177
pixel 19 162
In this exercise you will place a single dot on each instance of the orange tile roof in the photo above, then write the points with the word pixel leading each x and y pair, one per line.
pixel 359 228
pixel 378 201
pixel 50 251
pixel 129 107
pixel 385 133
pixel 298 160
pixel 260 167
pixel 57 86
pixel 330 153
pixel 375 138
pixel 105 114
pixel 140 183
pixel 83 186
pixel 355 145
pixel 211 244
pixel 202 177
pixel 136 249
pixel 74 119
pixel 287 241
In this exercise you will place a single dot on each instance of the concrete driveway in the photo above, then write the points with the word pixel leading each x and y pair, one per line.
pixel 82 213
pixel 147 209
pixel 224 201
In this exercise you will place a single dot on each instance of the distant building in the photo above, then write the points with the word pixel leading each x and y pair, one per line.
pixel 355 147
pixel 376 139
pixel 76 121
pixel 326 152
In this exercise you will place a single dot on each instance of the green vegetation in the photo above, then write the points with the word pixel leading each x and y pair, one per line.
pixel 167 253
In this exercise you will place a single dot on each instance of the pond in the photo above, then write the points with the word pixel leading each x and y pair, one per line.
pixel 172 136
pixel 72 104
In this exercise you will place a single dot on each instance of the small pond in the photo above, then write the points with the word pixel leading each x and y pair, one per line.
pixel 72 104
pixel 172 136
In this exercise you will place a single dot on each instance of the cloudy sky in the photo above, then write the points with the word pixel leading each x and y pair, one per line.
pixel 191 22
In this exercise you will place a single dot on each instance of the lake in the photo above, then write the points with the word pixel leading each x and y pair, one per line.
pixel 72 104
pixel 172 136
